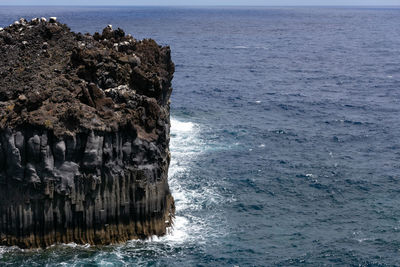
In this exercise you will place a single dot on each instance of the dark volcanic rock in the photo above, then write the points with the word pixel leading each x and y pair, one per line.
pixel 84 136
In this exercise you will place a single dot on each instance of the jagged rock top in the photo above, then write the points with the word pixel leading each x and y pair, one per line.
pixel 71 82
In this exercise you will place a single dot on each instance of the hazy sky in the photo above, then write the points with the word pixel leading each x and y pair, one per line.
pixel 203 2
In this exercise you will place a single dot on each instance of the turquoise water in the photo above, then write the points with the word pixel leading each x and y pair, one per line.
pixel 285 137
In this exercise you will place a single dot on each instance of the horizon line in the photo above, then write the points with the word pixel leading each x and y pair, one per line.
pixel 199 5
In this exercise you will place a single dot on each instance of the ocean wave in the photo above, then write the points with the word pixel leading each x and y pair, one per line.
pixel 247 47
pixel 240 47
pixel 185 145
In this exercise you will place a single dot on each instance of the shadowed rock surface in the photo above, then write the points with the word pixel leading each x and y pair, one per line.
pixel 84 136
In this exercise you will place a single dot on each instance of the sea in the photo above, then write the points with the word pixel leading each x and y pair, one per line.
pixel 285 136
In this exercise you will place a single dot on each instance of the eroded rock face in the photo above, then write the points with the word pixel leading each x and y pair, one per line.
pixel 84 136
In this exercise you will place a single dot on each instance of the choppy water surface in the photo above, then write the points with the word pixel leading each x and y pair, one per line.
pixel 285 136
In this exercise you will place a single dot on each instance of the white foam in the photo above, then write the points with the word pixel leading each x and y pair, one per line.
pixel 74 245
pixel 5 249
pixel 360 240
pixel 186 145
pixel 240 47
pixel 178 233
pixel 247 47
pixel 181 127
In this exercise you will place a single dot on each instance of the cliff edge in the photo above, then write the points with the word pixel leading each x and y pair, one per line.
pixel 84 136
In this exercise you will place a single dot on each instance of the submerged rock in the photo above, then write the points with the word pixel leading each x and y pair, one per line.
pixel 84 136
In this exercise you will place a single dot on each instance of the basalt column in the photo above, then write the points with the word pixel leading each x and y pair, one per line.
pixel 84 136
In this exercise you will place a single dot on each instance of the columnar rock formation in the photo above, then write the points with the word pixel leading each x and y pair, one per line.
pixel 84 136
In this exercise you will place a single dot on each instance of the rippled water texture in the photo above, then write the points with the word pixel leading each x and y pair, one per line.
pixel 285 136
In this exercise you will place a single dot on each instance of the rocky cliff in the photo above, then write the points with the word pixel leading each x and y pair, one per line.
pixel 84 136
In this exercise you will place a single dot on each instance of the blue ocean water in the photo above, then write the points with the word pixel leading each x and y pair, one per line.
pixel 285 136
